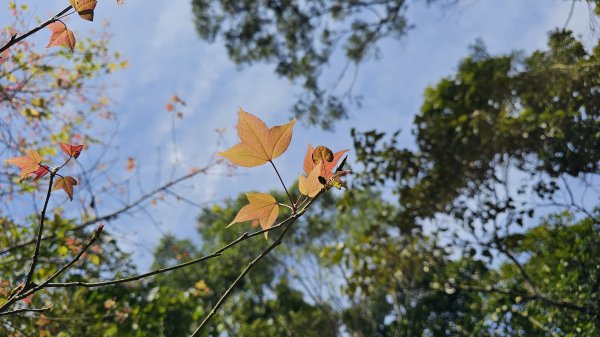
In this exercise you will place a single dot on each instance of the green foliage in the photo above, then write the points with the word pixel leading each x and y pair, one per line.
pixel 537 113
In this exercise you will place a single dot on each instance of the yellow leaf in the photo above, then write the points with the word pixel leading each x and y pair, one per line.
pixel 311 186
pixel 259 144
pixel 262 207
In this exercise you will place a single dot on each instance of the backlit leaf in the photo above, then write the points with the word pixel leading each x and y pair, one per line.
pixel 311 185
pixel 66 184
pixel 28 164
pixel 259 143
pixel 71 150
pixel 262 207
pixel 61 36
pixel 85 8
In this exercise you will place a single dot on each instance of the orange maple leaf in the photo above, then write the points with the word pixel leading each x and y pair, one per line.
pixel 29 164
pixel 259 143
pixel 262 207
pixel 321 154
pixel 85 8
pixel 66 184
pixel 71 150
pixel 61 36
pixel 311 186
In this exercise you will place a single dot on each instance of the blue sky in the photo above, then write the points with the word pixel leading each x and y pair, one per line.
pixel 166 58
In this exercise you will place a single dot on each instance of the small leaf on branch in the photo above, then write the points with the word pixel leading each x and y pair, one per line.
pixel 311 185
pixel 85 8
pixel 262 207
pixel 259 143
pixel 71 150
pixel 65 184
pixel 61 36
pixel 29 164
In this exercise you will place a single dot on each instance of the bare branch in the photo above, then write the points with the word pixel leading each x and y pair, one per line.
pixel 112 215
pixel 28 291
pixel 217 253
pixel 24 310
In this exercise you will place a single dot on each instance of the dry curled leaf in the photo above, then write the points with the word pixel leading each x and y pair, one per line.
pixel 322 153
pixel 29 164
pixel 259 143
pixel 66 184
pixel 61 36
pixel 85 8
pixel 262 207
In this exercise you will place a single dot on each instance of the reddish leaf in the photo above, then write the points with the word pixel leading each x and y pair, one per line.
pixel 262 207
pixel 71 150
pixel 259 143
pixel 28 164
pixel 40 172
pixel 61 36
pixel 314 156
pixel 65 184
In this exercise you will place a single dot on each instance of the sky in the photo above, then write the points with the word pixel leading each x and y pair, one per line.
pixel 166 58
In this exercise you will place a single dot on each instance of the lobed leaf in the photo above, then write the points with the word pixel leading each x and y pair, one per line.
pixel 61 36
pixel 262 207
pixel 66 184
pixel 259 143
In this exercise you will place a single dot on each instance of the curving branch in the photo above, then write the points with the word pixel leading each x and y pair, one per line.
pixel 216 253
pixel 30 288
pixel 288 224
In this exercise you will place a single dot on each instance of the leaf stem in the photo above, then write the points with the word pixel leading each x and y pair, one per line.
pixel 284 187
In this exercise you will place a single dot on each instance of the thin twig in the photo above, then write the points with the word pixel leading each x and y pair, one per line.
pixel 113 215
pixel 28 292
pixel 24 310
pixel 251 265
pixel 246 270
pixel 14 39
pixel 217 253
pixel 38 240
